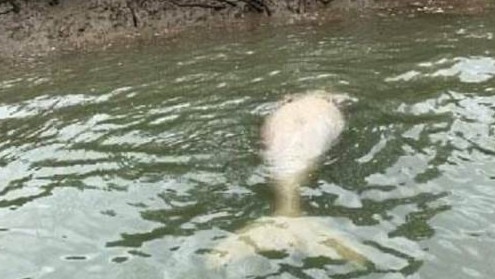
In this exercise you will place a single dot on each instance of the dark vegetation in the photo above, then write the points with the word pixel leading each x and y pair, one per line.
pixel 40 26
pixel 259 6
pixel 32 27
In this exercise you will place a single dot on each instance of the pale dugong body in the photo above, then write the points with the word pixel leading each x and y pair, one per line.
pixel 295 136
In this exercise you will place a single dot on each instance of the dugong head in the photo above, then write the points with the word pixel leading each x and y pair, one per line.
pixel 295 136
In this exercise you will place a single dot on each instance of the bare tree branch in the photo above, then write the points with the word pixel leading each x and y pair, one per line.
pixel 131 6
pixel 258 5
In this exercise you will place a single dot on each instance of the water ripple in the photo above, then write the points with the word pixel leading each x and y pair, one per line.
pixel 112 168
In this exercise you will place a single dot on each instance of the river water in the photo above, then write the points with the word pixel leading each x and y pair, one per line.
pixel 135 163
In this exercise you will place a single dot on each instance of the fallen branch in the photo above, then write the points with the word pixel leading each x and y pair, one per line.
pixel 199 5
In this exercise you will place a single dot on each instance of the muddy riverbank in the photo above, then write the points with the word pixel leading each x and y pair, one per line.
pixel 36 28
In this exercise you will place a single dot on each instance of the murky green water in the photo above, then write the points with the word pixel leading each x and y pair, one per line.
pixel 133 164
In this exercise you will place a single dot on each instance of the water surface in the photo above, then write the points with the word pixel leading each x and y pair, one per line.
pixel 132 163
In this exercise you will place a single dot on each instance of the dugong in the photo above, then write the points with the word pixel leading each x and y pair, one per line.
pixel 294 136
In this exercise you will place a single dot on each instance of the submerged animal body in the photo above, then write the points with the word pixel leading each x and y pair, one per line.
pixel 295 136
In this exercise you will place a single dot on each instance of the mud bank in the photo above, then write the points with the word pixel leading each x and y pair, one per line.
pixel 40 27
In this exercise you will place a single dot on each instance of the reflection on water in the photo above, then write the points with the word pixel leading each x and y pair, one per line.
pixel 137 164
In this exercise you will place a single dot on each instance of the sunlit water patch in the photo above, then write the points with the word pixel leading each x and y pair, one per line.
pixel 145 163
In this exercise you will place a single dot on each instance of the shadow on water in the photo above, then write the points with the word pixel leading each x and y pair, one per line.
pixel 136 164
